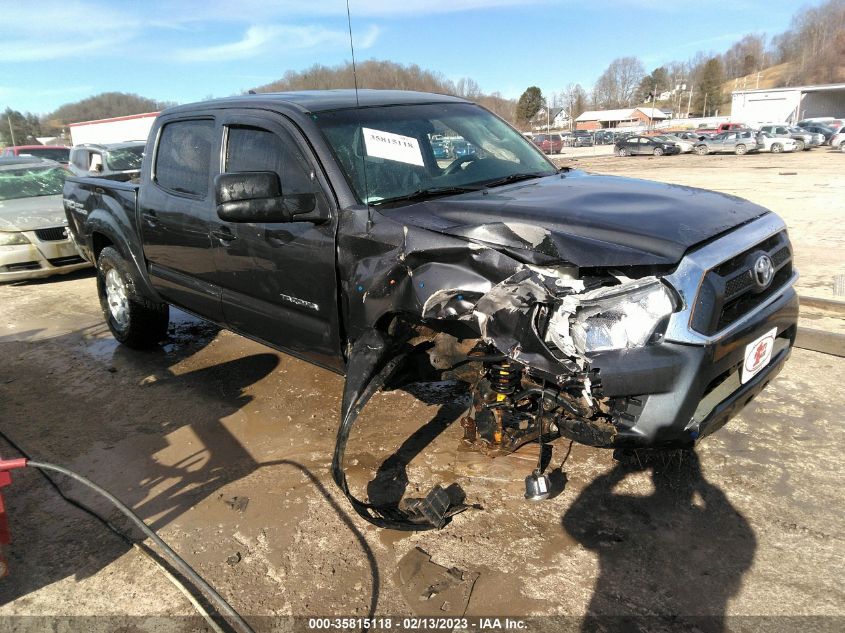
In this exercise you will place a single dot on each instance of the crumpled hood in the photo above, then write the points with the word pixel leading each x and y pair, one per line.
pixel 587 220
pixel 27 214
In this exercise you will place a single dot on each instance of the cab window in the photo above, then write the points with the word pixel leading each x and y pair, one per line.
pixel 255 149
pixel 183 158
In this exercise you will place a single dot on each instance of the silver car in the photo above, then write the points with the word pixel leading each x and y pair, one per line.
pixel 804 140
pixel 737 142
pixel 34 240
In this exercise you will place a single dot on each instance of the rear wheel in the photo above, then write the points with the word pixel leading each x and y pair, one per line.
pixel 133 320
pixel 658 151
pixel 739 150
pixel 701 150
pixel 777 148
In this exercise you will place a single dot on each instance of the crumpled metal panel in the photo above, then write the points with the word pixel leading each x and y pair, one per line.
pixel 587 220
pixel 389 268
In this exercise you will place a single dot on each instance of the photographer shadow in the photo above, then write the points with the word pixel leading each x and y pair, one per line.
pixel 668 561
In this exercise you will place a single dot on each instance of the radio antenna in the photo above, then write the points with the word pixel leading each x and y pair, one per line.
pixel 360 124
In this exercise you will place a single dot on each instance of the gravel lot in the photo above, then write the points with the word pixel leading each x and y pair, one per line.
pixel 224 446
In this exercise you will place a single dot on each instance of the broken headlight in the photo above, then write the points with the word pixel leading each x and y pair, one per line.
pixel 613 317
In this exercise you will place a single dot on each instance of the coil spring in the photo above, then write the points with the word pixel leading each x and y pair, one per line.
pixel 504 377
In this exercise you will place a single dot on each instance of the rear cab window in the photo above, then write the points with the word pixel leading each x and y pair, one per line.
pixel 183 157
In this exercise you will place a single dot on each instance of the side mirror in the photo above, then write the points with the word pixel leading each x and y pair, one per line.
pixel 256 196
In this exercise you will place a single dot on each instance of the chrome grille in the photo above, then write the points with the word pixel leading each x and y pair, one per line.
pixel 729 290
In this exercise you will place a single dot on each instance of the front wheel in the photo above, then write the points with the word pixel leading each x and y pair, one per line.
pixel 621 152
pixel 739 150
pixel 800 145
pixel 701 150
pixel 777 148
pixel 133 320
pixel 658 151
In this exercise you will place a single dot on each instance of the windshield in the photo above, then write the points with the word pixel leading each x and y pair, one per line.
pixel 31 182
pixel 395 144
pixel 125 158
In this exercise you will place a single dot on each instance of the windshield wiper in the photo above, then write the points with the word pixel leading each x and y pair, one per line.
pixel 424 194
pixel 514 178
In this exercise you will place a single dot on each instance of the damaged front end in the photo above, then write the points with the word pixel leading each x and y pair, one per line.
pixel 614 356
pixel 546 324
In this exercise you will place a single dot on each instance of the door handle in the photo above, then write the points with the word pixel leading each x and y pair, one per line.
pixel 224 235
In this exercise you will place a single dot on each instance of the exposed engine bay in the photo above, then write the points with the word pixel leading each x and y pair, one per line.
pixel 528 371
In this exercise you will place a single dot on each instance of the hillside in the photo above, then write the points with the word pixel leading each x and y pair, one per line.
pixel 772 77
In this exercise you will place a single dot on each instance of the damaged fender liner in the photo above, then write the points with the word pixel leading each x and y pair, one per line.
pixel 373 360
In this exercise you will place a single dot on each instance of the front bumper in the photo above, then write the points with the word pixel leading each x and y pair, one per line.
pixel 39 259
pixel 672 394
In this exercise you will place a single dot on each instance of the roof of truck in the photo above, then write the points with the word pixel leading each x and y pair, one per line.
pixel 322 100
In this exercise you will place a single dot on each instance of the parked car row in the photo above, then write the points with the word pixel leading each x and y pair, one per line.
pixel 34 241
pixel 736 139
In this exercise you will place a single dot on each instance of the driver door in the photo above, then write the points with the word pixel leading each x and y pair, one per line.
pixel 278 280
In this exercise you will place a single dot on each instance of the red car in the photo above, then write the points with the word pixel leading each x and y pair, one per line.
pixel 58 153
pixel 549 143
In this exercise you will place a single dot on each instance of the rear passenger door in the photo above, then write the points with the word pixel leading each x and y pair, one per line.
pixel 278 280
pixel 175 207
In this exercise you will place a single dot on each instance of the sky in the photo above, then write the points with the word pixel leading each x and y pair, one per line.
pixel 56 52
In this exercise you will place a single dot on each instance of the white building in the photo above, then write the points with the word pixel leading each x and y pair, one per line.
pixel 556 119
pixel 787 105
pixel 135 127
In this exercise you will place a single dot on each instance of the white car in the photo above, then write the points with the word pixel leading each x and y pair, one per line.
pixel 836 139
pixel 775 144
pixel 685 145
pixel 34 240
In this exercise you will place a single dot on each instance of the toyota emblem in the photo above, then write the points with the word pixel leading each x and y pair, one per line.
pixel 764 270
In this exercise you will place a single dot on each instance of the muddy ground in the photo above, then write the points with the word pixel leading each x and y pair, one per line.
pixel 224 446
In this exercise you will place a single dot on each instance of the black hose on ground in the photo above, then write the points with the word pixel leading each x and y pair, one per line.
pixel 178 562
pixel 223 607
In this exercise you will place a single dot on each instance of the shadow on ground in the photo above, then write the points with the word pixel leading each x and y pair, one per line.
pixel 682 549
pixel 123 436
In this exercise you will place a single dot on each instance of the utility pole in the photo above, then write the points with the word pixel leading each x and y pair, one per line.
pixel 689 102
pixel 11 131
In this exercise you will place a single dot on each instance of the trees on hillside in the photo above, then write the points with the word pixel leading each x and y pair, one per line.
pixel 708 89
pixel 814 43
pixel 19 128
pixel 101 106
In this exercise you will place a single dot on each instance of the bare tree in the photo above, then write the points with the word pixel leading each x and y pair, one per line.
pixel 618 84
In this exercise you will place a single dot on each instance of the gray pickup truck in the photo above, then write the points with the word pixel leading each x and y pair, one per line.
pixel 615 312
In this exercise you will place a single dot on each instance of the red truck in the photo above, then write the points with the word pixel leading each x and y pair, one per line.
pixel 722 127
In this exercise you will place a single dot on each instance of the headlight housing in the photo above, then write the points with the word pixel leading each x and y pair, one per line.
pixel 9 238
pixel 614 317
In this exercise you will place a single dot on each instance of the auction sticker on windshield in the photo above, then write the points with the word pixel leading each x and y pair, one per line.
pixel 403 149
pixel 758 353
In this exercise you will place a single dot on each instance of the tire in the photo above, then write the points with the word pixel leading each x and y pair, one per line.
pixel 777 148
pixel 740 149
pixel 657 151
pixel 701 150
pixel 800 145
pixel 622 152
pixel 133 320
